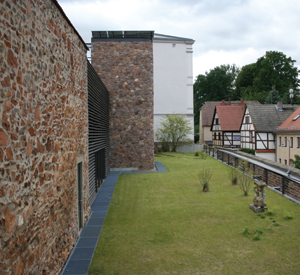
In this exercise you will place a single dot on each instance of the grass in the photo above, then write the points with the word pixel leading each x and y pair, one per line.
pixel 162 223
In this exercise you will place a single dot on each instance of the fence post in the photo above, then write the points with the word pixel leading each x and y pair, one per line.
pixel 283 188
pixel 266 176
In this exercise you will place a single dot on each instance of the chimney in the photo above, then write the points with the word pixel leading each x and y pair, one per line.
pixel 229 101
pixel 242 102
pixel 279 105
pixel 223 102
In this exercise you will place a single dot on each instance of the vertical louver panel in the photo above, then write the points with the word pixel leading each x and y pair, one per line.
pixel 98 104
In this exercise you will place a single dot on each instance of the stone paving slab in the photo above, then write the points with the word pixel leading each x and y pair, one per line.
pixel 91 231
pixel 101 203
pixel 96 221
pixel 77 267
pixel 82 254
pixel 98 214
pixel 87 242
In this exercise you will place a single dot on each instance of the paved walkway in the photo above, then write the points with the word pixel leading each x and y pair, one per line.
pixel 82 254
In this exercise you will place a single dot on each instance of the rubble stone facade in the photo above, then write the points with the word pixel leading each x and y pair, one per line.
pixel 43 135
pixel 126 69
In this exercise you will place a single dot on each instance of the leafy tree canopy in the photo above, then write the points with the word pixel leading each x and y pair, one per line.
pixel 296 161
pixel 272 69
pixel 174 129
pixel 217 84
pixel 273 97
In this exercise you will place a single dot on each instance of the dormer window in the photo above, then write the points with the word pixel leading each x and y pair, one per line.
pixel 296 117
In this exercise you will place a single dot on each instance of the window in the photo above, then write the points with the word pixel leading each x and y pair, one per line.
pixel 298 142
pixel 219 136
pixel 215 135
pixel 285 141
pixel 217 121
pixel 291 142
pixel 279 160
pixel 279 142
pixel 296 117
pixel 251 137
pixel 285 162
pixel 247 120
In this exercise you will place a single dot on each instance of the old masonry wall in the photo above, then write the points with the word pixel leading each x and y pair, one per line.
pixel 126 69
pixel 43 135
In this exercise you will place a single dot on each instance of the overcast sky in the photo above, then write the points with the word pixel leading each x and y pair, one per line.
pixel 225 31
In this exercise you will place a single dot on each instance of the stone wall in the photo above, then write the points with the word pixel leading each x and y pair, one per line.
pixel 43 132
pixel 126 69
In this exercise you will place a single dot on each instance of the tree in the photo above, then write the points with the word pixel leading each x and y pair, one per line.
pixel 217 84
pixel 274 68
pixel 273 96
pixel 296 161
pixel 174 129
pixel 244 79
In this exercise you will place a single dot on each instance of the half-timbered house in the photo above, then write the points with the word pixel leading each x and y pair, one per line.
pixel 206 116
pixel 258 127
pixel 226 125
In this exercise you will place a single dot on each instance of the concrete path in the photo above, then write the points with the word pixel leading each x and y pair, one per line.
pixel 82 254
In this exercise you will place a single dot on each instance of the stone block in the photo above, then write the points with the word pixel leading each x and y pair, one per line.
pixel 257 209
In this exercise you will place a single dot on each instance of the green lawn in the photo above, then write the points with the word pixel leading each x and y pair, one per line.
pixel 162 223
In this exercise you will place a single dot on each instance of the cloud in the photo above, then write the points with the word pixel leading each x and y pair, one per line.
pixel 227 31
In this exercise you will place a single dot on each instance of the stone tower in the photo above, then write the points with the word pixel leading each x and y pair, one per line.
pixel 124 62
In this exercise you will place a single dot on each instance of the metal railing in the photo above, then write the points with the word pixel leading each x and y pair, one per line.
pixel 277 179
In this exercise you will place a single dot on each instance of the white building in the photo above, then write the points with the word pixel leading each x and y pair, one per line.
pixel 173 77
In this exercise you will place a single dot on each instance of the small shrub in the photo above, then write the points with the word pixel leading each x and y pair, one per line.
pixel 257 237
pixel 263 216
pixel 259 231
pixel 288 215
pixel 205 175
pixel 246 231
pixel 276 224
pixel 232 173
pixel 245 176
pixel 248 151
pixel 270 211
pixel 202 154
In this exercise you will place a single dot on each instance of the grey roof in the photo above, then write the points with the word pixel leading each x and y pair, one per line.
pixel 158 36
pixel 122 35
pixel 267 117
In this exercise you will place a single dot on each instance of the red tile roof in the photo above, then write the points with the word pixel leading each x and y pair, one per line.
pixel 207 110
pixel 292 123
pixel 230 116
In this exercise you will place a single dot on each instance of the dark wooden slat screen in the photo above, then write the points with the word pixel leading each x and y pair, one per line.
pixel 98 115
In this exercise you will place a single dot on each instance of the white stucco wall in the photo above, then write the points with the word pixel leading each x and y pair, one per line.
pixel 173 78
pixel 269 156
